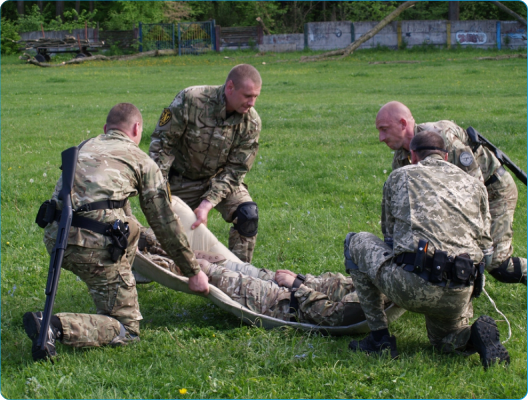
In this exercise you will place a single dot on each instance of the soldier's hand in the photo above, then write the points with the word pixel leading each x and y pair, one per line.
pixel 199 283
pixel 201 212
pixel 285 278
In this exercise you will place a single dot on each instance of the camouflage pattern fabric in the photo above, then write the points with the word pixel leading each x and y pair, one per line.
pixel 199 141
pixel 434 201
pixel 112 166
pixel 113 290
pixel 192 192
pixel 446 311
pixel 322 299
pixel 207 153
pixel 502 194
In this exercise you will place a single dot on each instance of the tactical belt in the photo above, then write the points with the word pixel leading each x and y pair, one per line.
pixel 294 302
pixel 495 177
pixel 458 272
pixel 51 214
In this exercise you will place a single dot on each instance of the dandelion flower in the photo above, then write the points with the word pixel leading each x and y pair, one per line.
pixel 384 171
pixel 7 243
pixel 183 391
pixel 31 180
pixel 44 174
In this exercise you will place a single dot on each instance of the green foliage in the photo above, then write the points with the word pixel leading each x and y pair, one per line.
pixel 32 20
pixel 8 35
pixel 72 20
pixel 126 14
pixel 318 175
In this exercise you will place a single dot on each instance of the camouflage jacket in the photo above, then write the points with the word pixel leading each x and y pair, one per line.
pixel 435 201
pixel 112 166
pixel 460 152
pixel 196 139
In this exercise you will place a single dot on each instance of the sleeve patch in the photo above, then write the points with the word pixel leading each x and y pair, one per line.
pixel 165 118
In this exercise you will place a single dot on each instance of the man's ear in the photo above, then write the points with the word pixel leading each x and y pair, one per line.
pixel 403 123
pixel 230 87
pixel 445 156
pixel 414 158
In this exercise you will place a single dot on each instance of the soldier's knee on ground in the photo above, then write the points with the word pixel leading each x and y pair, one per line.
pixel 512 270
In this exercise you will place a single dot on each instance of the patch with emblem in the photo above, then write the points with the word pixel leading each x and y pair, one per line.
pixel 466 158
pixel 165 118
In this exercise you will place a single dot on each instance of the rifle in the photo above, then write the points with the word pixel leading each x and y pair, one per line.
pixel 478 139
pixel 69 162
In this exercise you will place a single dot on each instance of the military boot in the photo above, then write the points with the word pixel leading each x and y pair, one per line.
pixel 485 340
pixel 32 322
pixel 370 345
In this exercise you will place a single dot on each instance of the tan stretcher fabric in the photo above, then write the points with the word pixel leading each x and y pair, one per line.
pixel 203 239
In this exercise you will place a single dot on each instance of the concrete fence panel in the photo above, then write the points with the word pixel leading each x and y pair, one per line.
pixel 328 35
pixel 388 36
pixel 482 34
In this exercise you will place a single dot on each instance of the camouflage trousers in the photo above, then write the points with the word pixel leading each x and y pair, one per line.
pixel 323 300
pixel 446 310
pixel 113 290
pixel 502 197
pixel 191 193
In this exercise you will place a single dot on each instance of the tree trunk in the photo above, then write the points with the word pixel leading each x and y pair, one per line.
pixel 40 5
pixel 352 47
pixel 508 11
pixel 20 7
pixel 91 4
pixel 454 11
pixel 78 8
pixel 59 8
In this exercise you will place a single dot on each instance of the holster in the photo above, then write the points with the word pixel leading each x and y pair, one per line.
pixel 480 281
pixel 119 233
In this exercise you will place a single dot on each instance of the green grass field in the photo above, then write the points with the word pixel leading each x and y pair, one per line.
pixel 318 175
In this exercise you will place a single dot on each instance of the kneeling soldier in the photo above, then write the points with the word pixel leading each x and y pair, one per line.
pixel 437 218
pixel 104 235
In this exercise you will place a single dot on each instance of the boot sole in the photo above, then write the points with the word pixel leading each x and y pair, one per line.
pixel 487 343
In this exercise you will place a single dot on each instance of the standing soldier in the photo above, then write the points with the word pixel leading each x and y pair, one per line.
pixel 104 235
pixel 438 219
pixel 397 127
pixel 205 143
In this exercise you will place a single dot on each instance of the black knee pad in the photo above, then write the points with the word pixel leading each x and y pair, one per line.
pixel 502 275
pixel 247 219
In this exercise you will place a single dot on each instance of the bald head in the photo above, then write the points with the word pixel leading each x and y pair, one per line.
pixel 395 125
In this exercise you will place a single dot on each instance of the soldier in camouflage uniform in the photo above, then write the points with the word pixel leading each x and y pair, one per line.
pixel 205 143
pixel 397 127
pixel 328 299
pixel 110 169
pixel 439 214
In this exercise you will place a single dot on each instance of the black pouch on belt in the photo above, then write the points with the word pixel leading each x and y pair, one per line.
pixel 46 213
pixel 436 274
pixel 119 232
pixel 462 270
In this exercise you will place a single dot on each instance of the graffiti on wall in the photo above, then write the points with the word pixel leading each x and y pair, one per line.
pixel 464 37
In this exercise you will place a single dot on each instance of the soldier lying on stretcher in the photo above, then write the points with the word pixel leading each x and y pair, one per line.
pixel 328 299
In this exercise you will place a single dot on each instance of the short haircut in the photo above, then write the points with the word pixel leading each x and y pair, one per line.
pixel 426 143
pixel 241 72
pixel 123 115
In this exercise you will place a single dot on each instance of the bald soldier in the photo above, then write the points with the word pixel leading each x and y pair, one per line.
pixel 205 143
pixel 103 238
pixel 397 128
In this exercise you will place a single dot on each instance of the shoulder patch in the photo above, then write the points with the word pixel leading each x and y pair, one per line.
pixel 466 158
pixel 165 118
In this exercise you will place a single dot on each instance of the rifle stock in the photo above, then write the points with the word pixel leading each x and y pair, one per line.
pixel 477 138
pixel 69 163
